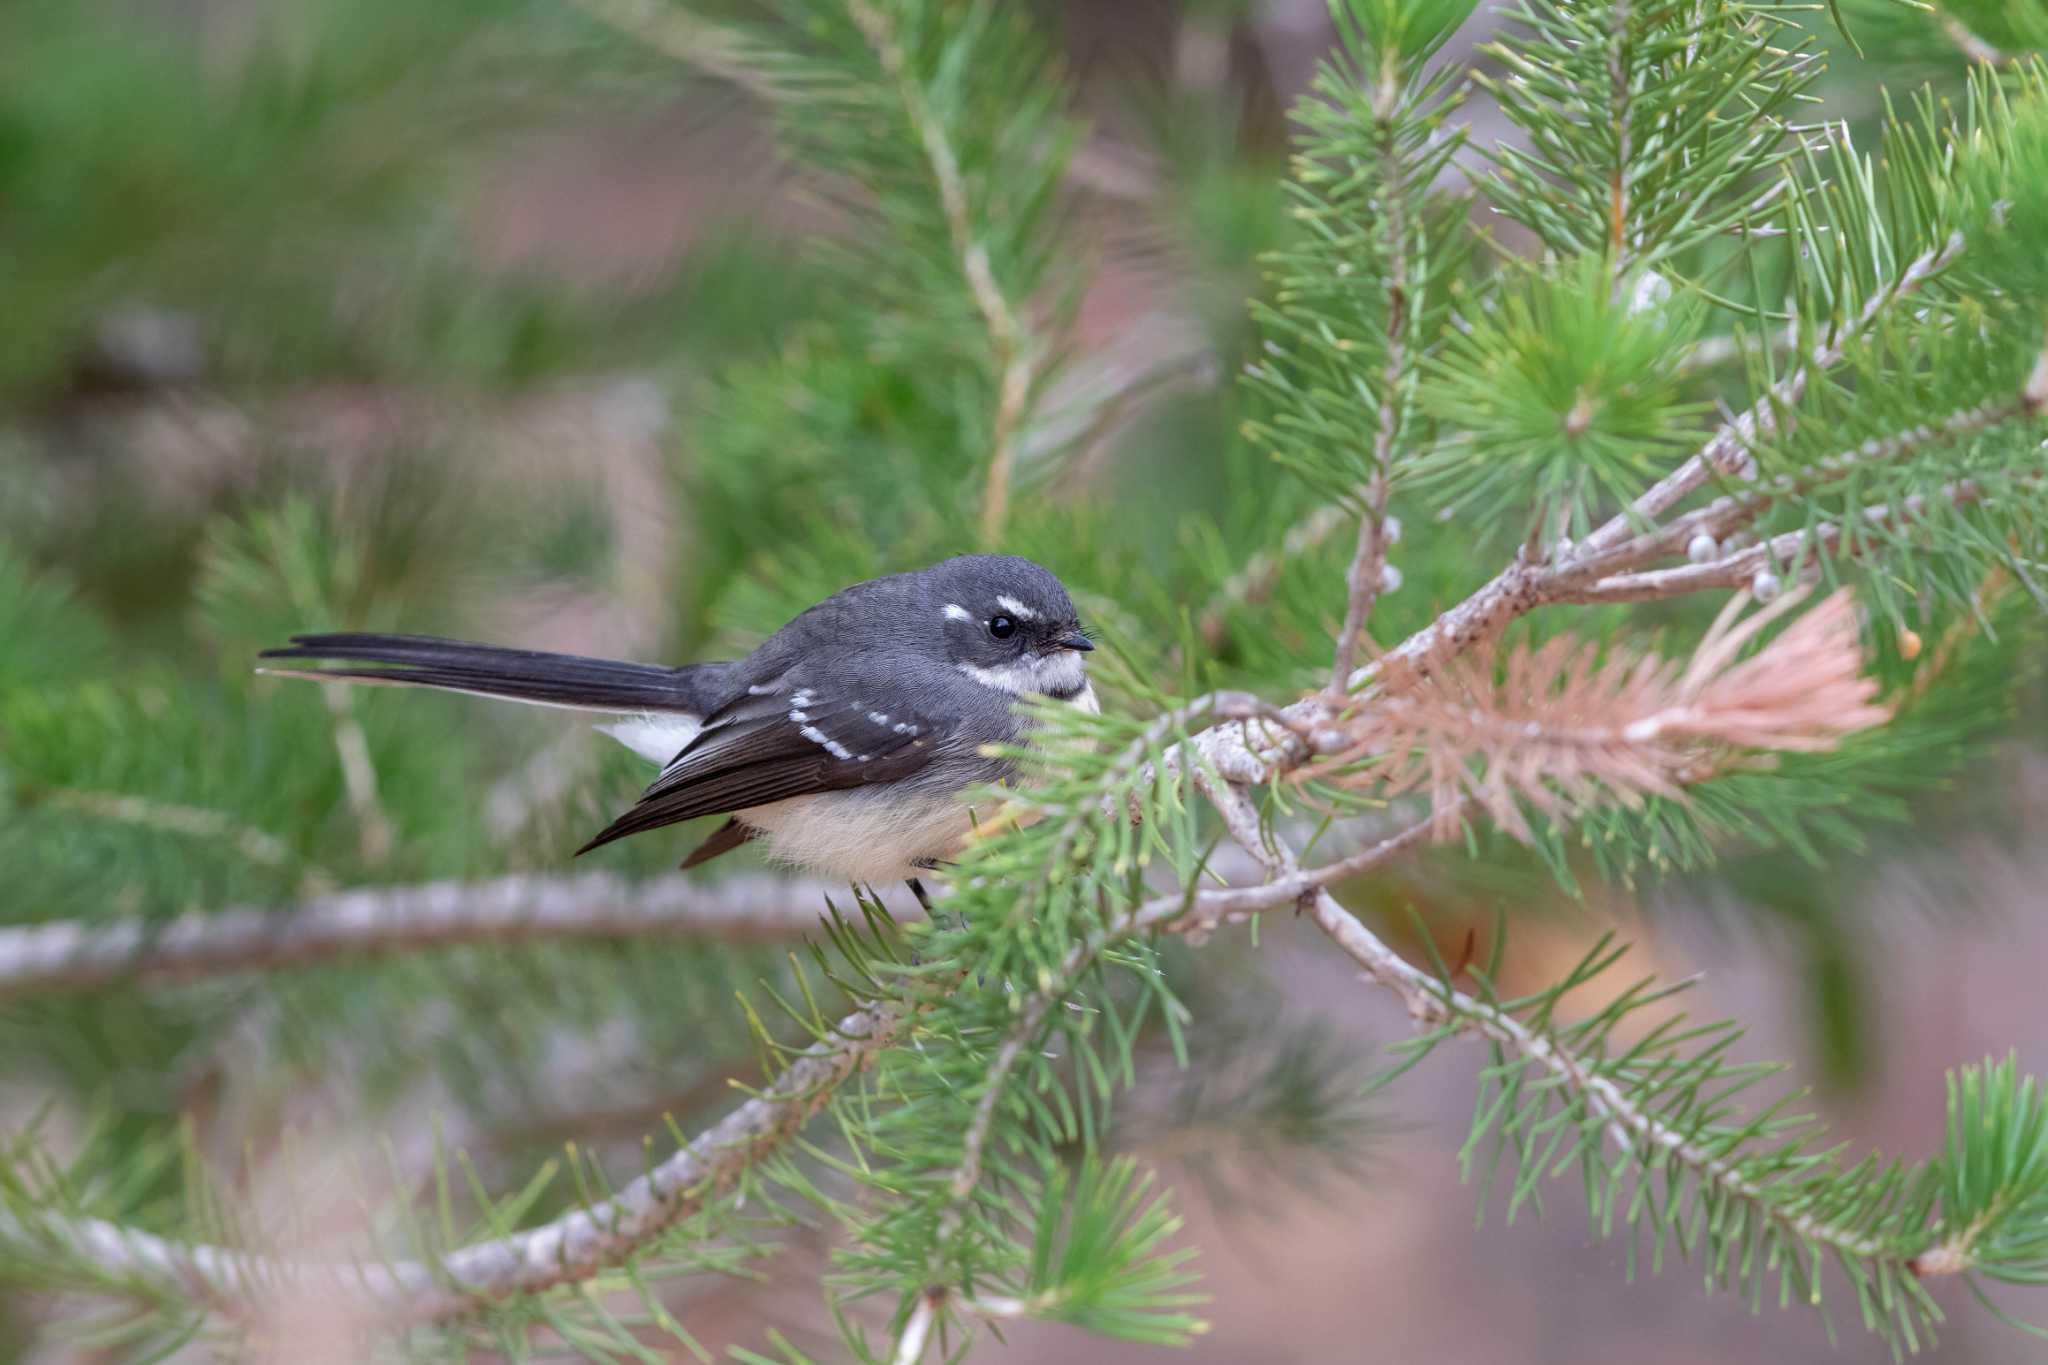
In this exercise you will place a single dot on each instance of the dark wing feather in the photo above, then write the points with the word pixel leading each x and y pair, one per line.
pixel 728 837
pixel 764 749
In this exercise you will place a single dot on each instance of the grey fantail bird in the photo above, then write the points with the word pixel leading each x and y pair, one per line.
pixel 847 741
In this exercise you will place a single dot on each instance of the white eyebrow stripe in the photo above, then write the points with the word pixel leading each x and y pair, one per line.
pixel 1015 608
pixel 958 612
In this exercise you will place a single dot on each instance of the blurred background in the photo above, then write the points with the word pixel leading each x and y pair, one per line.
pixel 493 318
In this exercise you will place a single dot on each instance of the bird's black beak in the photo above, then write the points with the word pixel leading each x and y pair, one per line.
pixel 1075 640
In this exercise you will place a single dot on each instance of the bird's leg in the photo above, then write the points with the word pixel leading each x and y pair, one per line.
pixel 923 897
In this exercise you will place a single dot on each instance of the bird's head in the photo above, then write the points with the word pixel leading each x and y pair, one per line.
pixel 1008 624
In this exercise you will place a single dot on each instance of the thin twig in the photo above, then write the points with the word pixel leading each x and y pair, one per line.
pixel 1251 585
pixel 674 31
pixel 71 955
pixel 1969 44
pixel 1787 555
pixel 1007 338
pixel 1433 1003
pixel 1617 180
pixel 374 833
pixel 254 844
pixel 1369 563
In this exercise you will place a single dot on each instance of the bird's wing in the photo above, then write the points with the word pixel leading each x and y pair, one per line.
pixel 797 740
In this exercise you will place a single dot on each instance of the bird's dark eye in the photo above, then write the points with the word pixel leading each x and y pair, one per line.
pixel 1002 627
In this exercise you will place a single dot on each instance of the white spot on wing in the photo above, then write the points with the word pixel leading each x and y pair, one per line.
pixel 879 717
pixel 831 745
pixel 958 612
pixel 1016 608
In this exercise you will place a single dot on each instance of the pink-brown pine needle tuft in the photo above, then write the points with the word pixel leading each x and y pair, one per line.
pixel 1561 728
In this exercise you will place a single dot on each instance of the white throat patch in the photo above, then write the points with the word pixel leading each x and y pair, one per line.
pixel 1056 674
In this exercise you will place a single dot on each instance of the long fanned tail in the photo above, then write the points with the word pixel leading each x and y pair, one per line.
pixel 526 675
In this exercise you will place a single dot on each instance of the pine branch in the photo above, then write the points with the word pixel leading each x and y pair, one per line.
pixel 394 1294
pixel 1724 454
pixel 74 955
pixel 1527 582
pixel 1630 1124
pixel 1666 1128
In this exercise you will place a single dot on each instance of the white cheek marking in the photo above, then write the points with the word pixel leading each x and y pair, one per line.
pixel 1012 678
pixel 656 738
pixel 958 612
pixel 1062 672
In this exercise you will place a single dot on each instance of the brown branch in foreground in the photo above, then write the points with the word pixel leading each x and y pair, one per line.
pixel 73 956
pixel 574 1247
pixel 394 1294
